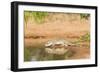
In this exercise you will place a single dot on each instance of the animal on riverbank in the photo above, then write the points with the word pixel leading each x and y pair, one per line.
pixel 59 47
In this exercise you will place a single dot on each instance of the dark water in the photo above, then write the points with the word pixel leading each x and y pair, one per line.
pixel 39 54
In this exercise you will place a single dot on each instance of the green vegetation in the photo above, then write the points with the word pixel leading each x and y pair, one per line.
pixel 27 55
pixel 38 16
pixel 84 16
pixel 85 37
pixel 26 16
pixel 39 54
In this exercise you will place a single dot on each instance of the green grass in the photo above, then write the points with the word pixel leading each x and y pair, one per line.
pixel 84 38
pixel 84 16
pixel 27 15
pixel 27 54
pixel 39 17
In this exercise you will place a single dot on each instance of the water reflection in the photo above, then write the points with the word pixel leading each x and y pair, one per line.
pixel 42 55
pixel 52 50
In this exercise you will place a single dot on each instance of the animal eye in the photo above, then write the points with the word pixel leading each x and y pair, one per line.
pixel 69 45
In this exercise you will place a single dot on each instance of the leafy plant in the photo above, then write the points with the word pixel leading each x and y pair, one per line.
pixel 38 16
pixel 84 16
pixel 85 37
